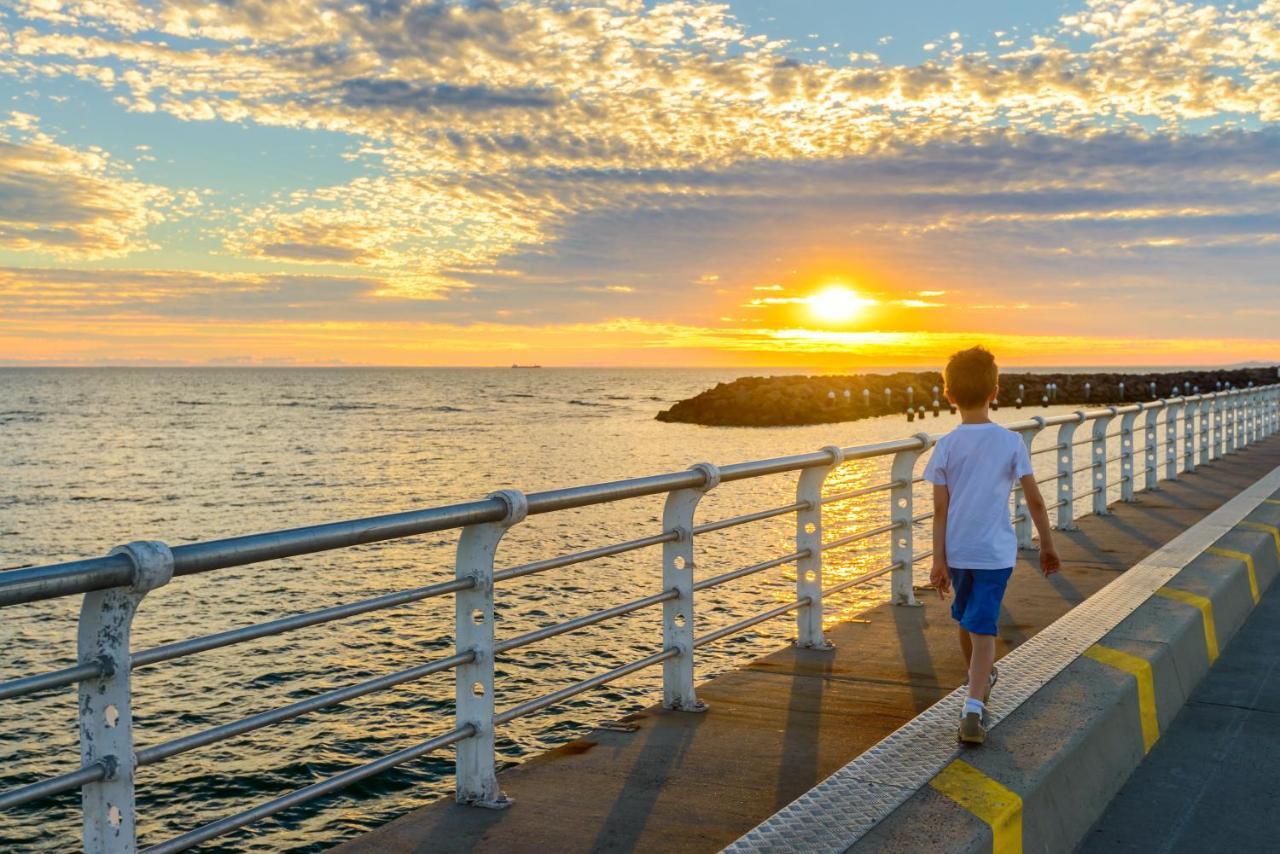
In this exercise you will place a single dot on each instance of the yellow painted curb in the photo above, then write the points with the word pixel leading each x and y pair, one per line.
pixel 999 807
pixel 1206 611
pixel 1263 526
pixel 1140 669
pixel 1248 561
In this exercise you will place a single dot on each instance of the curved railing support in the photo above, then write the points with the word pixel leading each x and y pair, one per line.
pixel 477 776
pixel 809 634
pixel 106 701
pixel 677 574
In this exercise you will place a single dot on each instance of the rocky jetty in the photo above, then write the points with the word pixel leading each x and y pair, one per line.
pixel 792 400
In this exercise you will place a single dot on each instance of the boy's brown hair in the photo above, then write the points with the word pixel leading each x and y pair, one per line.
pixel 971 375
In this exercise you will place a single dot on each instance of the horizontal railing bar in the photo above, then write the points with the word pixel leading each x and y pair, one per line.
pixel 707 527
pixel 858 493
pixel 191 646
pixel 585 685
pixel 1050 449
pixel 749 570
pixel 861 535
pixel 309 793
pixel 53 786
pixel 915 520
pixel 157 752
pixel 583 556
pixel 587 620
pixel 1089 467
pixel 712 637
pixel 47 681
pixel 861 579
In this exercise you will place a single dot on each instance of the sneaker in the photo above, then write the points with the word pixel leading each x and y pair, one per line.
pixel 972 730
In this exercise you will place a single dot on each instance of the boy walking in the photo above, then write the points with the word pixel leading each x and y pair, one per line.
pixel 973 470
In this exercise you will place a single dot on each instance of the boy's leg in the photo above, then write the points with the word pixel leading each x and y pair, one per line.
pixel 966 645
pixel 980 663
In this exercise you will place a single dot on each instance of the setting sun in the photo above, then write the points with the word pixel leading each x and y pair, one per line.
pixel 837 304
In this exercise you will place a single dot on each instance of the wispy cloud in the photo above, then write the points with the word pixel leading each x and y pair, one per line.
pixel 73 203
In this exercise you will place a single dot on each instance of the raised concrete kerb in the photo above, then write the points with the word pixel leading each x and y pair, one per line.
pixel 883 799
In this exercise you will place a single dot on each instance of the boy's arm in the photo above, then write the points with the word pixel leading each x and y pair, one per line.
pixel 1049 560
pixel 938 576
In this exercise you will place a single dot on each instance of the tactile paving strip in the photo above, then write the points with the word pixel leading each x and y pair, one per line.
pixel 837 812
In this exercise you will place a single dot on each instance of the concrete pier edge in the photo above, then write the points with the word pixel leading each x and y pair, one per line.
pixel 1051 766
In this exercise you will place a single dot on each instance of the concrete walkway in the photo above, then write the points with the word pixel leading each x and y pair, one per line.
pixel 1210 783
pixel 694 783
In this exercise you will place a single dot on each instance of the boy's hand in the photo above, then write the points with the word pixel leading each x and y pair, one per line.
pixel 1049 560
pixel 940 580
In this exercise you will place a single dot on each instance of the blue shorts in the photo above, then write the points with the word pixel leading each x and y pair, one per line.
pixel 978 596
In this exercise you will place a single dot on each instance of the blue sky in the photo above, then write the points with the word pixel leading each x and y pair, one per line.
pixel 634 181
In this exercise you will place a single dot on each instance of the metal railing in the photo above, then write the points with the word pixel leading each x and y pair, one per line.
pixel 1196 429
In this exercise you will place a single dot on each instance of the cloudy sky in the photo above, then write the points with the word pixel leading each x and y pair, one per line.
pixel 767 182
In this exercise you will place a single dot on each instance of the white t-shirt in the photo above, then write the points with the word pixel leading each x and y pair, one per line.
pixel 979 464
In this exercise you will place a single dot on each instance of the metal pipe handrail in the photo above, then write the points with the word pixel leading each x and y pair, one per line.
pixel 583 556
pixel 718 634
pixel 310 793
pixel 164 750
pixel 576 688
pixel 858 493
pixel 707 527
pixel 31 584
pixel 717 580
pixel 861 535
pixel 53 786
pixel 584 621
pixel 861 579
pixel 25 685
pixel 203 643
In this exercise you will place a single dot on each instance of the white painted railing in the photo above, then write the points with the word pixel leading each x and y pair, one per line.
pixel 1197 429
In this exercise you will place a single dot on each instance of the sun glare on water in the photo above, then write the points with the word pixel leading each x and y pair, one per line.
pixel 837 304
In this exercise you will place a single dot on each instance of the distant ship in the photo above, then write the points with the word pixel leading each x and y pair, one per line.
pixel 526 366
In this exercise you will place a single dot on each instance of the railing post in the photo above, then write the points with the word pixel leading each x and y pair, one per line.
pixel 1218 438
pixel 1150 462
pixel 1127 478
pixel 902 549
pixel 809 544
pixel 1228 429
pixel 1098 456
pixel 1066 473
pixel 477 776
pixel 106 703
pixel 1022 525
pixel 1189 435
pixel 1251 424
pixel 677 574
pixel 1171 451
pixel 1206 444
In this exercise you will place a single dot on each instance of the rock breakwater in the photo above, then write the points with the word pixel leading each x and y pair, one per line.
pixel 795 400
